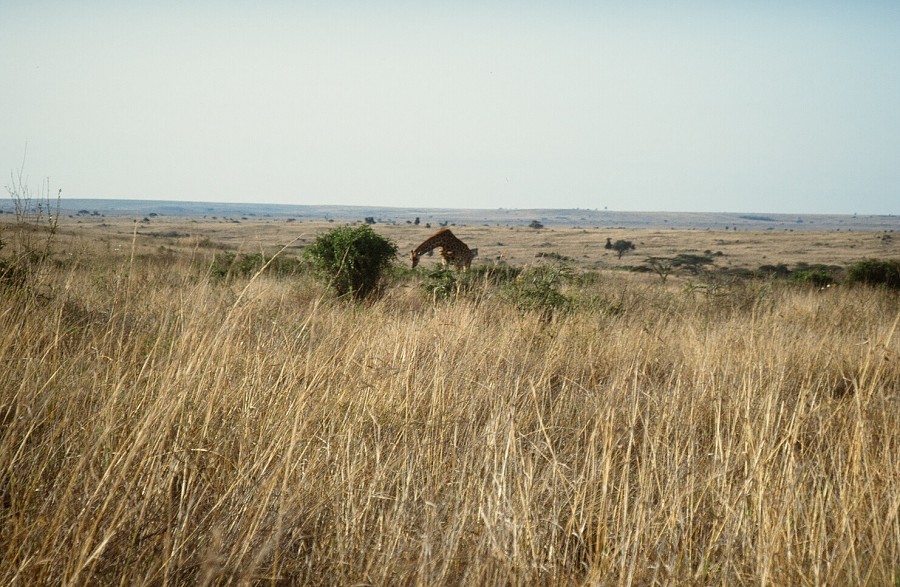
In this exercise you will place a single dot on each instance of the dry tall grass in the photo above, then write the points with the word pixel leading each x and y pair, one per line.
pixel 161 427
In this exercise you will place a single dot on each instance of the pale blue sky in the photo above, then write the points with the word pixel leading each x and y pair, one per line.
pixel 672 106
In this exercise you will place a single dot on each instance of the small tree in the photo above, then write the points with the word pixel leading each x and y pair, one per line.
pixel 662 266
pixel 686 262
pixel 691 263
pixel 621 247
pixel 351 259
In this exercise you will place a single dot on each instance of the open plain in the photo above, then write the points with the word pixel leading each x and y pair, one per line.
pixel 168 420
pixel 736 241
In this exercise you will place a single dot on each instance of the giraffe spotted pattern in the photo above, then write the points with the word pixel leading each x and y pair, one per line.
pixel 453 250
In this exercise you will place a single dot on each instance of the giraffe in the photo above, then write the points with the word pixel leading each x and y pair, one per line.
pixel 453 250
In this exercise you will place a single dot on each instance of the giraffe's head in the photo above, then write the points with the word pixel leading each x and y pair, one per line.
pixel 414 258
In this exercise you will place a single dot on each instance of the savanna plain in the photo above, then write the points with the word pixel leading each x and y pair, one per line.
pixel 182 401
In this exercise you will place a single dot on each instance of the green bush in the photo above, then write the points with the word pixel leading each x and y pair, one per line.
pixel 537 290
pixel 351 260
pixel 441 283
pixel 814 277
pixel 875 272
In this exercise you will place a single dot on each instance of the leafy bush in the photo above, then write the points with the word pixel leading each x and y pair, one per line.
pixel 537 290
pixel 441 283
pixel 875 272
pixel 351 259
pixel 497 274
pixel 814 277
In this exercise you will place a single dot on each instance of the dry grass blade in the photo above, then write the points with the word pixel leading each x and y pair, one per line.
pixel 160 426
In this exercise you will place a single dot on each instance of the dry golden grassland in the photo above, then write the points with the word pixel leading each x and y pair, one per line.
pixel 518 245
pixel 163 425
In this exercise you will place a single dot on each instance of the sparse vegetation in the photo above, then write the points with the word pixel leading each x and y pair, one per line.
pixel 32 236
pixel 553 255
pixel 173 427
pixel 229 265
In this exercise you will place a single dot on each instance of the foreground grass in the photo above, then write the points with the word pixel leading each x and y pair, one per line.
pixel 160 427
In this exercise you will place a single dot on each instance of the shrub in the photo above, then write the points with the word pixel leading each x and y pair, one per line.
pixel 222 265
pixel 351 259
pixel 497 274
pixel 875 272
pixel 441 283
pixel 538 291
pixel 814 277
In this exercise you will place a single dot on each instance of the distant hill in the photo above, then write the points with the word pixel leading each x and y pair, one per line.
pixel 548 217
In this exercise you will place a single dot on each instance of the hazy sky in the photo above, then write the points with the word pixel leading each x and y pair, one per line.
pixel 763 106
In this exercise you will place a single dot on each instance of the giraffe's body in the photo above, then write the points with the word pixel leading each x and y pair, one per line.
pixel 453 250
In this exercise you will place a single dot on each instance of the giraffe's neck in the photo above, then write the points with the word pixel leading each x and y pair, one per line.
pixel 453 250
pixel 442 238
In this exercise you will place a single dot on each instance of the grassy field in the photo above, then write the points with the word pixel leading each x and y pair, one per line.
pixel 165 422
pixel 518 245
